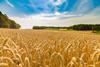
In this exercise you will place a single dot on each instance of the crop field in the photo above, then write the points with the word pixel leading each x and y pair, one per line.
pixel 47 48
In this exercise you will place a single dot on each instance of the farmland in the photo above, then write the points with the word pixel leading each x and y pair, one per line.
pixel 47 48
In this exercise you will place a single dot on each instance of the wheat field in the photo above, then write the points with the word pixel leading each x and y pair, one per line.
pixel 47 48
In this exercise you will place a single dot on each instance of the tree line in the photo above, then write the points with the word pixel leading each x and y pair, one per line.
pixel 86 27
pixel 48 27
pixel 5 22
pixel 79 27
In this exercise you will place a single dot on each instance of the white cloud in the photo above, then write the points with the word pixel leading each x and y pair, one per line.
pixel 83 6
pixel 58 20
pixel 96 11
pixel 5 8
pixel 57 2
pixel 89 19
pixel 10 4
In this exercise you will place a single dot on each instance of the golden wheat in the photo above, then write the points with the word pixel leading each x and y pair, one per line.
pixel 37 48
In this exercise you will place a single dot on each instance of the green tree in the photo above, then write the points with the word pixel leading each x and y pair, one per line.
pixel 5 22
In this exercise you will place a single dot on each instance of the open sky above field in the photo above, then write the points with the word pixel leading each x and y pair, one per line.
pixel 29 13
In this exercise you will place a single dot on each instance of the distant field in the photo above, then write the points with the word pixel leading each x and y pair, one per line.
pixel 47 48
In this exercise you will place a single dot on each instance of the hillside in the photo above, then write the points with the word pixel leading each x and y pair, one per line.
pixel 5 22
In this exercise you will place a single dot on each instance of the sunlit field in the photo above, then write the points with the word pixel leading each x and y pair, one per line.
pixel 49 48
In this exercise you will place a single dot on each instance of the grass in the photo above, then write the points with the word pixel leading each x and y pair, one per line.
pixel 49 48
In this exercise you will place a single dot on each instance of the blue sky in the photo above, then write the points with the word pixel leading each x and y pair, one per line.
pixel 52 10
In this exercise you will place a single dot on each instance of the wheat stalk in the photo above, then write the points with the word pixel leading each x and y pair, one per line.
pixel 56 60
pixel 27 62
